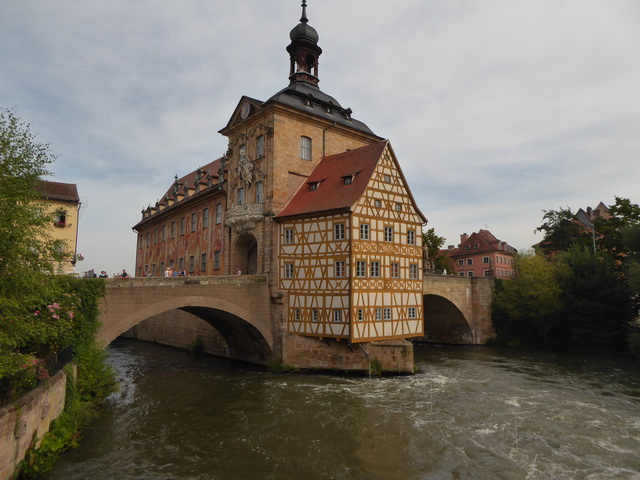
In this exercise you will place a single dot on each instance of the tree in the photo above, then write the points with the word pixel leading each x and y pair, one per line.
pixel 528 307
pixel 435 261
pixel 597 302
pixel 26 250
pixel 610 231
pixel 561 231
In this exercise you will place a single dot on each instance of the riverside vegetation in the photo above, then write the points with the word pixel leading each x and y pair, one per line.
pixel 41 313
pixel 580 287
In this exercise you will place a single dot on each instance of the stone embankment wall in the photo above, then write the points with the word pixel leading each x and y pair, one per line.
pixel 179 329
pixel 27 420
pixel 393 356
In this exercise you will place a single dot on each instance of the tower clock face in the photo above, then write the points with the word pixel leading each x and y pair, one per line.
pixel 244 110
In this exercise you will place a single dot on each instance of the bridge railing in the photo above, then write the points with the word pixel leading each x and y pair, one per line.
pixel 186 280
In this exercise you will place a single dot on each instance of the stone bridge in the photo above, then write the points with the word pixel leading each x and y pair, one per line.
pixel 241 310
pixel 457 310
pixel 236 306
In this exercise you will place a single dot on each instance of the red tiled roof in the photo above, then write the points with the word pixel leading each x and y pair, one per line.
pixel 331 193
pixel 190 178
pixel 58 191
pixel 486 242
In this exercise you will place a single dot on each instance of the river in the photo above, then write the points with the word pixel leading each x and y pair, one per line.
pixel 470 413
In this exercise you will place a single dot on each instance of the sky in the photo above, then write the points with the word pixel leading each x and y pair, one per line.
pixel 496 109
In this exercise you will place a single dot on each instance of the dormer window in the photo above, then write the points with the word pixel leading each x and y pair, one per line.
pixel 347 179
pixel 313 186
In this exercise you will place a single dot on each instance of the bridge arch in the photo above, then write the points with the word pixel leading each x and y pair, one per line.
pixel 444 322
pixel 237 307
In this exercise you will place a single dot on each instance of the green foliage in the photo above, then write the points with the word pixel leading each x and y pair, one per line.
pixel 575 299
pixel 435 261
pixel 561 231
pixel 597 302
pixel 26 250
pixel 527 308
pixel 375 366
pixel 65 432
pixel 611 231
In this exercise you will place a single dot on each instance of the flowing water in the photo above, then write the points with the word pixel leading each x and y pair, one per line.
pixel 470 413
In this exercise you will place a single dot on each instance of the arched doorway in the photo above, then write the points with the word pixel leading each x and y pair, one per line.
pixel 245 255
pixel 444 322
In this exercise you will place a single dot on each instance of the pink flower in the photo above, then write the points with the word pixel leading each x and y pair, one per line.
pixel 55 317
pixel 70 315
pixel 36 313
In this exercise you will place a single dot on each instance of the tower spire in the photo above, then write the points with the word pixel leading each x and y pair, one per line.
pixel 304 51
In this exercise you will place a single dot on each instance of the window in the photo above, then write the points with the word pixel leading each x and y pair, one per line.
pixel 387 178
pixel 338 231
pixel 398 207
pixel 411 237
pixel 314 316
pixel 155 236
pixel 305 148
pixel 364 231
pixel 205 218
pixel 148 238
pixel 360 315
pixel 296 315
pixel 153 269
pixel 183 225
pixel 164 233
pixel 203 262
pixel 218 213
pixel 288 236
pixel 337 316
pixel 377 203
pixel 240 196
pixel 259 193
pixel 173 229
pixel 378 314
pixel 361 269
pixel 485 260
pixel 339 269
pixel 487 273
pixel 469 274
pixel 395 270
pixel 194 222
pixel 461 274
pixel 216 260
pixel 412 312
pixel 469 261
pixel 260 146
pixel 313 186
pixel 375 269
pixel 181 263
pixel 347 179
pixel 388 234
pixel 387 314
pixel 192 264
pixel 288 270
pixel 413 271
pixel 461 262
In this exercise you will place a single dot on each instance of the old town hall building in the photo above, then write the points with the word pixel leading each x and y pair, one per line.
pixel 308 196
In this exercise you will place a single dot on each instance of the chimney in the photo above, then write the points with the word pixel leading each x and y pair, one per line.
pixel 463 238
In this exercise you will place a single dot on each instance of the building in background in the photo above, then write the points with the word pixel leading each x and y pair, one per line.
pixel 481 254
pixel 62 202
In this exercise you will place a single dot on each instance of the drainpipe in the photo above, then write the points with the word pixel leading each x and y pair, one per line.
pixel 324 136
pixel 367 357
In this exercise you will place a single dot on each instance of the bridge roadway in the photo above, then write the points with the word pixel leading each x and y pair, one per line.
pixel 242 309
